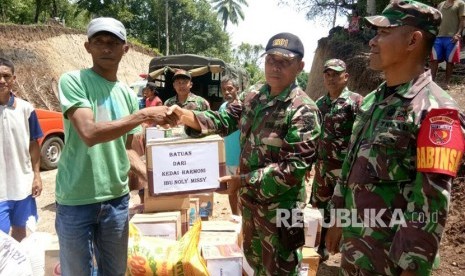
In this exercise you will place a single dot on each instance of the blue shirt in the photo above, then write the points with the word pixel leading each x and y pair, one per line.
pixel 232 146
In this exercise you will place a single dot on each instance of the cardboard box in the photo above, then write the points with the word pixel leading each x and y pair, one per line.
pixel 310 262
pixel 223 260
pixel 52 257
pixel 312 221
pixel 135 209
pixel 193 212
pixel 157 133
pixel 185 165
pixel 205 205
pixel 165 203
pixel 232 230
pixel 222 226
pixel 178 132
pixel 218 238
pixel 152 133
pixel 163 225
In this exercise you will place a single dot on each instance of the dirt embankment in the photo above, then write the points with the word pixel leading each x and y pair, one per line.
pixel 361 78
pixel 42 53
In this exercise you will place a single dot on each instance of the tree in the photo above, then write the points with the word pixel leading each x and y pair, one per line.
pixel 112 8
pixel 193 25
pixel 328 10
pixel 20 12
pixel 229 10
pixel 302 80
pixel 46 9
pixel 248 56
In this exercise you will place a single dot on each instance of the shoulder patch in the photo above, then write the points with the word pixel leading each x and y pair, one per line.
pixel 440 142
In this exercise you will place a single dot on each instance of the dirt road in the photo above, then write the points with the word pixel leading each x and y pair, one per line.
pixel 46 203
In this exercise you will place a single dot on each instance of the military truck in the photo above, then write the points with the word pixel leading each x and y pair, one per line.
pixel 206 76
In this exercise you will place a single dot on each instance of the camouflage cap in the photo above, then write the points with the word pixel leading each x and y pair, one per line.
pixel 407 12
pixel 335 64
pixel 182 74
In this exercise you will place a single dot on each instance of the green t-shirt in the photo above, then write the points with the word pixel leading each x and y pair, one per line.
pixel 99 173
pixel 450 17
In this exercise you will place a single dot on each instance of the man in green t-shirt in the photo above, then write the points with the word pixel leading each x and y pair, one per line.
pixel 101 114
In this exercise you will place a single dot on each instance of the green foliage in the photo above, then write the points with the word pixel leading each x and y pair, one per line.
pixel 16 11
pixel 144 47
pixel 40 11
pixel 197 30
pixel 193 27
pixel 346 45
pixel 323 10
pixel 229 10
pixel 248 57
pixel 302 80
pixel 256 73
pixel 328 10
pixel 248 53
pixel 381 4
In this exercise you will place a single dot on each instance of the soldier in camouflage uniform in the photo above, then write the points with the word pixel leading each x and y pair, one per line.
pixel 405 148
pixel 279 125
pixel 338 109
pixel 182 83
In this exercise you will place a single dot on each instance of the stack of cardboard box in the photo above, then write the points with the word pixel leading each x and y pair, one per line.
pixel 311 259
pixel 221 245
pixel 183 173
pixel 165 225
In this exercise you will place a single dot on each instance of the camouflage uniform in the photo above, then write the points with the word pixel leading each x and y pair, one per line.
pixel 278 145
pixel 390 176
pixel 338 117
pixel 381 172
pixel 193 102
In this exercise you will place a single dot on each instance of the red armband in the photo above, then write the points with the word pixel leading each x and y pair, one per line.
pixel 440 142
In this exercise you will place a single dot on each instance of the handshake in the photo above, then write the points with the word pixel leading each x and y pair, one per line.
pixel 169 116
pixel 175 115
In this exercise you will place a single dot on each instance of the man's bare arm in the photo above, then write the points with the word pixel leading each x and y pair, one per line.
pixel 34 151
pixel 93 133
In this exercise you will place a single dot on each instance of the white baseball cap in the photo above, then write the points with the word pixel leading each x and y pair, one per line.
pixel 106 24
